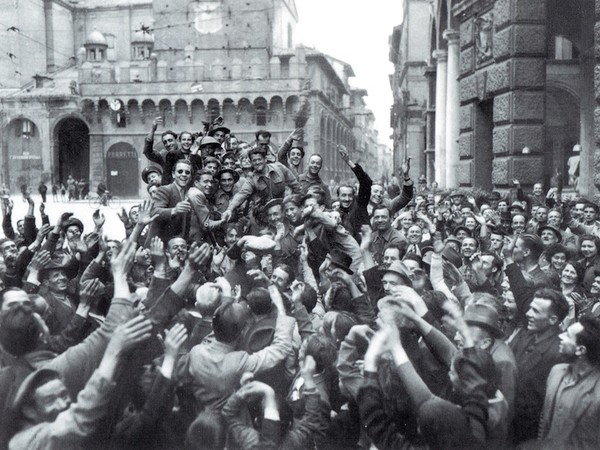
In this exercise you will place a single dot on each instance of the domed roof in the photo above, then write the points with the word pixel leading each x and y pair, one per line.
pixel 96 38
pixel 141 37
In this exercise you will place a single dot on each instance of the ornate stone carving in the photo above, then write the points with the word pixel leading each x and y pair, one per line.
pixel 484 30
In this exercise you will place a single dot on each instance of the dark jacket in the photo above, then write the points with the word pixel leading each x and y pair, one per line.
pixel 357 215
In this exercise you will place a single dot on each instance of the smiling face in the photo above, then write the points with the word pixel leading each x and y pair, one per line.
pixel 376 194
pixel 381 219
pixel 177 248
pixel 569 275
pixel 346 196
pixel 468 247
pixel 292 212
pixel 258 162
pixel 57 281
pixel 588 249
pixel 186 140
pixel 213 167
pixel 518 223
pixel 169 142
pixel 219 136
pixel 414 234
pixel 554 219
pixel 295 157
pixel 182 174
pixel 205 183
pixel 274 215
pixel 229 163
pixel 226 181
pixel 314 164
pixel 548 237
pixel 558 261
pixel 568 340
pixel 541 215
pixel 49 400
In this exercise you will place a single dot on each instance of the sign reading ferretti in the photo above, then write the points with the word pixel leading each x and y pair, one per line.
pixel 25 156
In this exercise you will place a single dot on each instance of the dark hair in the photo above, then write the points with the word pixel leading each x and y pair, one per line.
pixel 496 261
pixel 340 297
pixel 19 330
pixel 532 243
pixel 480 360
pixel 308 297
pixel 228 322
pixel 296 199
pixel 382 206
pixel 320 199
pixel 585 237
pixel 164 133
pixel 227 155
pixel 558 303
pixel 579 269
pixel 259 300
pixel 345 185
pixel 208 431
pixel 203 172
pixel 591 205
pixel 557 248
pixel 343 322
pixel 589 337
pixel 323 350
pixel 394 245
pixel 264 133
pixel 413 257
pixel 257 150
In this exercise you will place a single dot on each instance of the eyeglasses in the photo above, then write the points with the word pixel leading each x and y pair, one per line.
pixel 187 172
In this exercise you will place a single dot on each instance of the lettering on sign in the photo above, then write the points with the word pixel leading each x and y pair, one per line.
pixel 114 173
pixel 122 154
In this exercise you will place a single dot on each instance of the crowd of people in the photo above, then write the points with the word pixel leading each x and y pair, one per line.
pixel 251 306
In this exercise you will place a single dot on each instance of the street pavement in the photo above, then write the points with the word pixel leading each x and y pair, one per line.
pixel 81 209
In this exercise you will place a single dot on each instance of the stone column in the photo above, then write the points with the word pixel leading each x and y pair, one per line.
pixel 440 117
pixel 452 108
pixel 430 125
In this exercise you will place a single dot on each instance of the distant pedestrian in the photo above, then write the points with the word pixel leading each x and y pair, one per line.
pixel 63 192
pixel 55 189
pixel 42 189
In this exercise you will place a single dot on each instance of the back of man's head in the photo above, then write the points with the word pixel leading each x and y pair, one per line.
pixel 19 330
pixel 589 337
pixel 534 244
pixel 259 301
pixel 228 322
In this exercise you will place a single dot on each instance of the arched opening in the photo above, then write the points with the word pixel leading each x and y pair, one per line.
pixel 562 131
pixel 24 153
pixel 71 137
pixel 121 163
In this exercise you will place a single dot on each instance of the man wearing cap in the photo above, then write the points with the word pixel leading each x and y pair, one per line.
pixel 310 178
pixel 152 175
pixel 539 219
pixel 267 181
pixel 571 411
pixel 483 322
pixel 549 235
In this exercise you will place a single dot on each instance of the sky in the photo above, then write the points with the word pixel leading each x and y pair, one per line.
pixel 356 32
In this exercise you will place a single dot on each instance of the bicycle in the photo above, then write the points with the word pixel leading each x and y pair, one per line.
pixel 106 199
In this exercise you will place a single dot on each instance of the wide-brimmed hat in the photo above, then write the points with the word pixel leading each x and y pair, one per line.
pixel 484 316
pixel 452 256
pixel 208 141
pixel 30 384
pixel 555 230
pixel 398 268
pixel 259 244
pixel 148 170
pixel 220 128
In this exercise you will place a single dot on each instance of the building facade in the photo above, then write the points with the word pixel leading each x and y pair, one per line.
pixel 89 78
pixel 512 90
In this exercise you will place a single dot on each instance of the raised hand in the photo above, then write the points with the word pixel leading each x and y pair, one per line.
pixel 438 243
pixel 40 260
pixel 43 232
pixel 64 218
pixel 199 256
pixel 343 151
pixel 156 122
pixel 123 216
pixel 405 167
pixel 174 339
pixel 157 251
pixel 126 336
pixel 145 215
pixel 121 264
pixel 89 291
pixel 42 208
